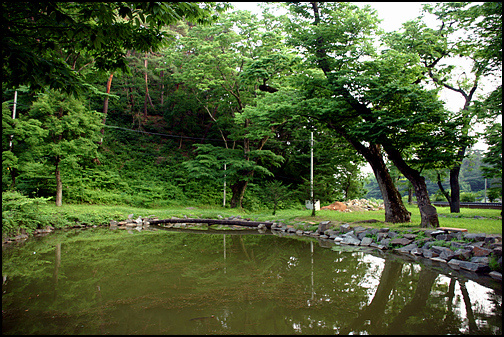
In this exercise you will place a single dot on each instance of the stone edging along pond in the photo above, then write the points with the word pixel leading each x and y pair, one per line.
pixel 458 249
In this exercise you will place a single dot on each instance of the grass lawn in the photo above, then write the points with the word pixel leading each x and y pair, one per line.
pixel 469 218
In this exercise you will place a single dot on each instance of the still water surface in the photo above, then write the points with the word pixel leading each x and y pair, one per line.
pixel 159 282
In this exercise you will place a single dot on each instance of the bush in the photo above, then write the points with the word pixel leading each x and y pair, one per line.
pixel 20 213
pixel 468 196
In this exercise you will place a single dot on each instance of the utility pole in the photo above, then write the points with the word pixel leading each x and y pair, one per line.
pixel 224 199
pixel 12 169
pixel 311 176
pixel 13 117
pixel 485 190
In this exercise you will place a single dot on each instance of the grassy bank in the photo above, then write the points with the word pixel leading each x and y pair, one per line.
pixel 474 220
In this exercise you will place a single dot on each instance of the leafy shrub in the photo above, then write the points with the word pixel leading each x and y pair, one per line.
pixel 468 196
pixel 493 263
pixel 20 213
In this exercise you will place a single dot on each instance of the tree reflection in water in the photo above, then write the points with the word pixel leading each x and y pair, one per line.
pixel 98 282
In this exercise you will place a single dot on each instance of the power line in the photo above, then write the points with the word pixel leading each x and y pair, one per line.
pixel 194 138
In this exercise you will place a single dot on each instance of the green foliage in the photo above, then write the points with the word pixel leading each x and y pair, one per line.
pixel 493 262
pixel 274 192
pixel 20 213
pixel 468 196
pixel 36 34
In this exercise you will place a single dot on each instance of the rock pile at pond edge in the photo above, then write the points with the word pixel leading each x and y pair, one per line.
pixel 466 251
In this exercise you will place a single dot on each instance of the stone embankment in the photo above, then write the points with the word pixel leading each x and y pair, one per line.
pixel 458 249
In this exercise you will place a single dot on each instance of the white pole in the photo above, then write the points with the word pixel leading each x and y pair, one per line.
pixel 224 199
pixel 311 176
pixel 13 117
pixel 311 168
pixel 485 190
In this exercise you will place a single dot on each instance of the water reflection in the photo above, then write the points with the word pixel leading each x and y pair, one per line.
pixel 103 282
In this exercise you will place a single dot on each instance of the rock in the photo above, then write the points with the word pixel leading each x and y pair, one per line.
pixel 475 236
pixel 479 259
pixel 299 232
pixel 323 226
pixel 474 267
pixel 385 242
pixel 410 236
pixel 331 232
pixel 436 232
pixel 401 241
pixel 496 275
pixel 416 251
pixel 444 237
pixel 447 255
pixel 363 234
pixel 350 239
pixel 463 254
pixel 457 245
pixel 380 236
pixel 478 251
pixel 497 250
pixel 345 228
pixel 407 248
pixel 366 241
pixel 454 263
pixel 429 253
pixel 384 230
pixel 391 234
pixel 439 249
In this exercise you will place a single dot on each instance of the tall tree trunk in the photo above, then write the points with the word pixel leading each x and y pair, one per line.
pixel 147 96
pixel 105 106
pixel 454 182
pixel 238 190
pixel 428 213
pixel 59 185
pixel 161 75
pixel 441 188
pixel 395 211
pixel 425 282
pixel 455 170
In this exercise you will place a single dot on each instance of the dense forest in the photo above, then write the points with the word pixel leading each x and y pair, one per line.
pixel 166 104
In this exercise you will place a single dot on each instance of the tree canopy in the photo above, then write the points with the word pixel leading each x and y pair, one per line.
pixel 196 96
pixel 42 41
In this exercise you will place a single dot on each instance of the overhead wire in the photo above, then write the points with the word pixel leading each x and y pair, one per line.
pixel 194 138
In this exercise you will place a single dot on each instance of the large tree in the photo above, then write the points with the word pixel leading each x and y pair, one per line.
pixel 208 63
pixel 67 132
pixel 376 101
pixel 307 36
pixel 458 38
pixel 35 33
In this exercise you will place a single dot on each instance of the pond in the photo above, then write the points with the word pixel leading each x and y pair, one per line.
pixel 99 281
